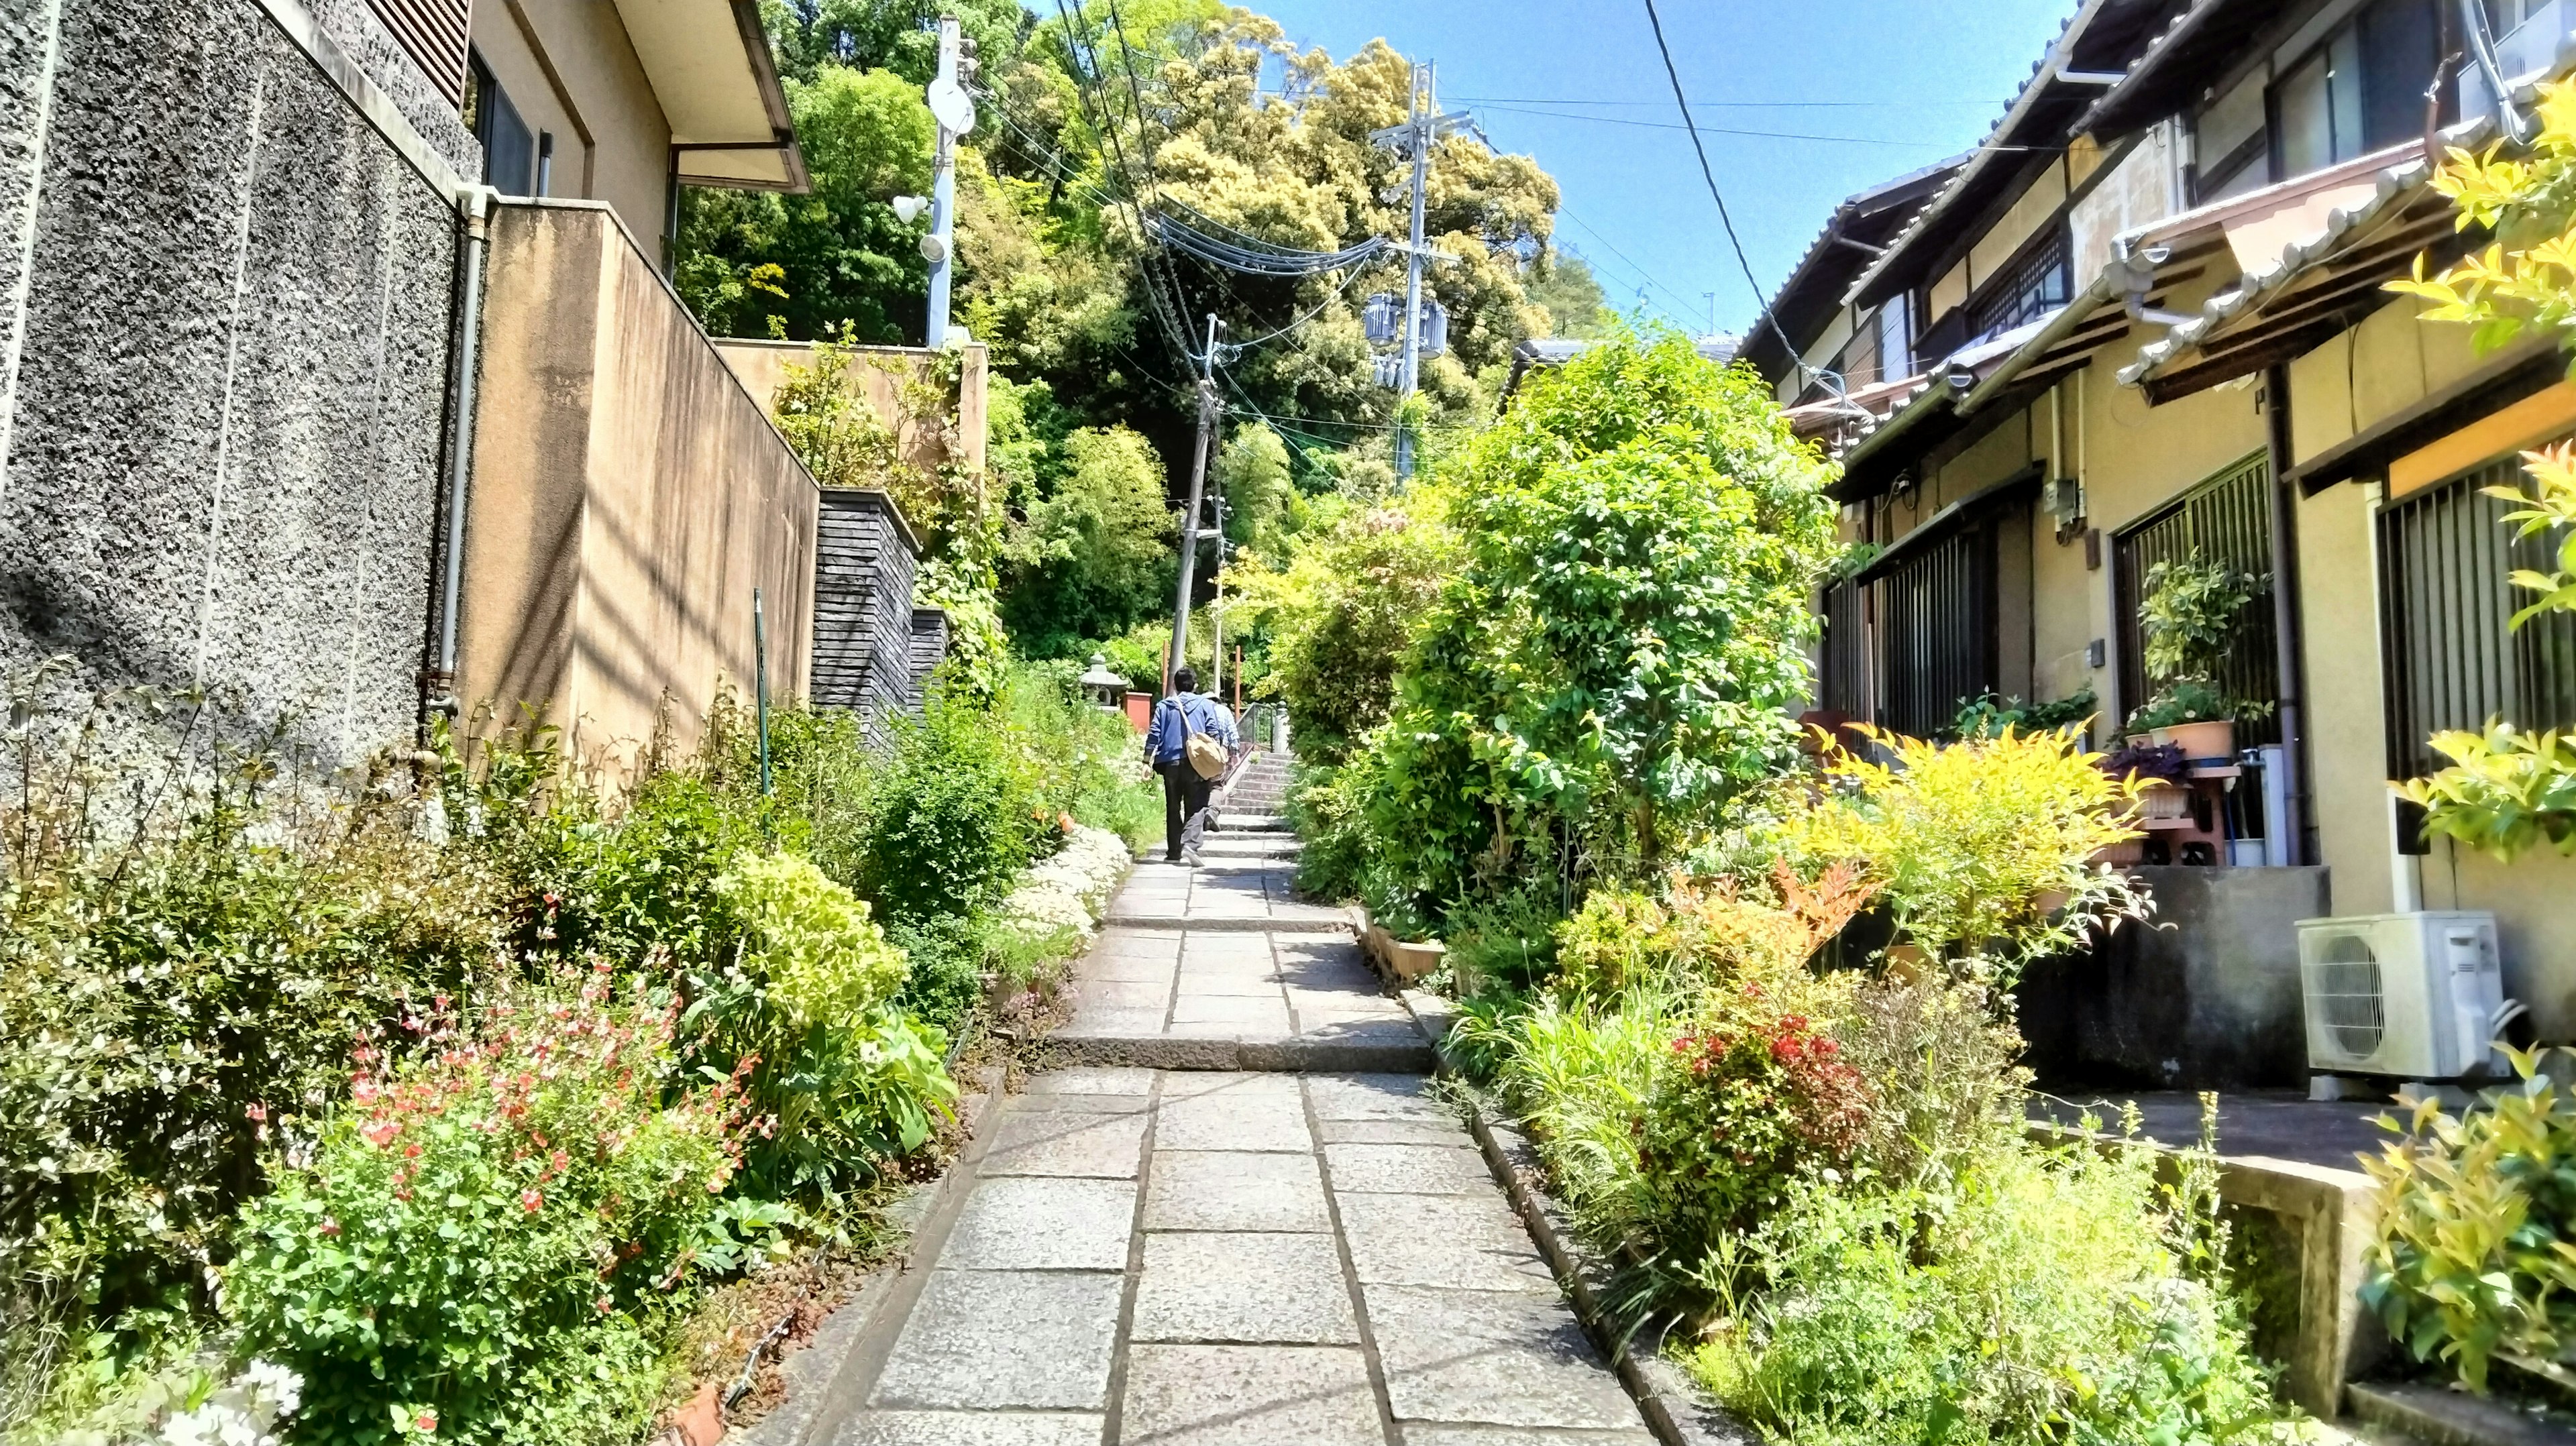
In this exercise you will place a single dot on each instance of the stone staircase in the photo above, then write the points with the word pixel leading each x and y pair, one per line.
pixel 1251 821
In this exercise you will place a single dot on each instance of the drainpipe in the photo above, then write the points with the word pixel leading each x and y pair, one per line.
pixel 2289 647
pixel 476 206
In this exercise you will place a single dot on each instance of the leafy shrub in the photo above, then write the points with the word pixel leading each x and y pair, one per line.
pixel 1938 1057
pixel 189 945
pixel 1579 1072
pixel 1981 850
pixel 1980 717
pixel 1354 598
pixel 1326 805
pixel 841 1078
pixel 1739 1109
pixel 1507 943
pixel 1704 934
pixel 482 1234
pixel 951 818
pixel 2040 1300
pixel 2475 1214
pixel 946 980
pixel 1618 652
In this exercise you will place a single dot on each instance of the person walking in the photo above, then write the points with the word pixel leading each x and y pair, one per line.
pixel 1183 715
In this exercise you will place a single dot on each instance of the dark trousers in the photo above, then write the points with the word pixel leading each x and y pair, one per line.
pixel 1185 808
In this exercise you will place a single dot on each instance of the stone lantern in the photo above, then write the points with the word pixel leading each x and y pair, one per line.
pixel 1104 687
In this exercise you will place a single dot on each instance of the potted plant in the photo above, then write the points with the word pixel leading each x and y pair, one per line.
pixel 2193 716
pixel 2161 769
pixel 2189 617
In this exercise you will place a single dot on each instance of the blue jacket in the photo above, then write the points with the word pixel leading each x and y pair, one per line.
pixel 1169 738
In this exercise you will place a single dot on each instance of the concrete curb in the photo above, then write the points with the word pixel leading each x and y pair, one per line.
pixel 1236 924
pixel 2441 1417
pixel 1674 1408
pixel 1273 1054
pixel 816 1404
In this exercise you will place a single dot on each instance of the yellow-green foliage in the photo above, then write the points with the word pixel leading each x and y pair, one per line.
pixel 826 961
pixel 2474 1259
pixel 1981 849
pixel 2526 277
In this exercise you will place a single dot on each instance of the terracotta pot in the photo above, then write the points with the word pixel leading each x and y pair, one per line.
pixel 2203 740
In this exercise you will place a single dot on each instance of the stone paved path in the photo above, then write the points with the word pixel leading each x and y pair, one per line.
pixel 1198 1258
pixel 1162 1245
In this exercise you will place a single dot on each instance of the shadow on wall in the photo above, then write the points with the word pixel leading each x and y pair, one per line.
pixel 222 399
pixel 628 496
pixel 2204 996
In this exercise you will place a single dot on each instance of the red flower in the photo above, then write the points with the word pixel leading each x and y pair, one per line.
pixel 531 1201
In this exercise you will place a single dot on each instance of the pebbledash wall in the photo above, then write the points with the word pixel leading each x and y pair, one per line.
pixel 225 319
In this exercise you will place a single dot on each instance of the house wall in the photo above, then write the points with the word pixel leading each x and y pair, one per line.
pixel 224 337
pixel 570 69
pixel 2387 363
pixel 628 496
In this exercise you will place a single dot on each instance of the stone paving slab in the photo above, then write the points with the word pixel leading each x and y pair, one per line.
pixel 1249 1396
pixel 1240 1288
pixel 1492 1358
pixel 1208 1268
pixel 994 1340
pixel 971 1428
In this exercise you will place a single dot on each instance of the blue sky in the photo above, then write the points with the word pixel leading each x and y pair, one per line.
pixel 1903 82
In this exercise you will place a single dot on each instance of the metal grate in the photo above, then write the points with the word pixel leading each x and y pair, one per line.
pixel 1940 634
pixel 1845 686
pixel 2445 600
pixel 2347 995
pixel 2228 520
pixel 432 33
pixel 2037 282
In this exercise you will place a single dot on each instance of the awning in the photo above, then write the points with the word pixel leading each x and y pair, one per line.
pixel 2315 255
pixel 709 65
pixel 1949 519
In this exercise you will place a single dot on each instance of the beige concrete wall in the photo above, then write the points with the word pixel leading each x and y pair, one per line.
pixel 2388 363
pixel 628 496
pixel 881 373
pixel 570 69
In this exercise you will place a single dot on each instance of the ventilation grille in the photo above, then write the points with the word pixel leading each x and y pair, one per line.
pixel 2346 995
pixel 432 32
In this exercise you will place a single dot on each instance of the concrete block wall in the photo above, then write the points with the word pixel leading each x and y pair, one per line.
pixel 224 330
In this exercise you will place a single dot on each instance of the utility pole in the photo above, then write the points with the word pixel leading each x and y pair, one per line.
pixel 954 109
pixel 1419 121
pixel 1179 654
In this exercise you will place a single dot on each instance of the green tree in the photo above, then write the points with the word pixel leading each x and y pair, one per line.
pixel 838 259
pixel 1352 600
pixel 1252 476
pixel 1094 555
pixel 897 35
pixel 1564 287
pixel 1621 649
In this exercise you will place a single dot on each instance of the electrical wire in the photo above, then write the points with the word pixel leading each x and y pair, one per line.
pixel 1643 274
pixel 1255 263
pixel 1728 104
pixel 1709 175
pixel 1233 349
pixel 1166 310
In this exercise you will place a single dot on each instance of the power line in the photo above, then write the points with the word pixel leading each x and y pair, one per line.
pixel 1087 60
pixel 1643 274
pixel 1710 175
pixel 1727 104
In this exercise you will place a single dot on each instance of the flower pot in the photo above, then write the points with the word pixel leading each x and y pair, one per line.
pixel 2122 855
pixel 1406 960
pixel 2202 740
pixel 2159 799
pixel 2159 737
pixel 2143 740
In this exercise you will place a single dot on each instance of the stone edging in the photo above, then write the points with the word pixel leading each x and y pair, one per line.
pixel 806 1414
pixel 1675 1410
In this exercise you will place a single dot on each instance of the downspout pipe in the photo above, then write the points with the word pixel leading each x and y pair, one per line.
pixel 475 207
pixel 2288 643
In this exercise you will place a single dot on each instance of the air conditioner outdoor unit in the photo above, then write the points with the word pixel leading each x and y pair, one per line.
pixel 2417 996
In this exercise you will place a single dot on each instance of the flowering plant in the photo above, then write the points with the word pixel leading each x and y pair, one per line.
pixel 478 1232
pixel 1738 1109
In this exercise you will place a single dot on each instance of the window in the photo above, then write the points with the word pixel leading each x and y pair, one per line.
pixel 2445 557
pixel 2037 282
pixel 1940 634
pixel 2227 519
pixel 509 148
pixel 2361 89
